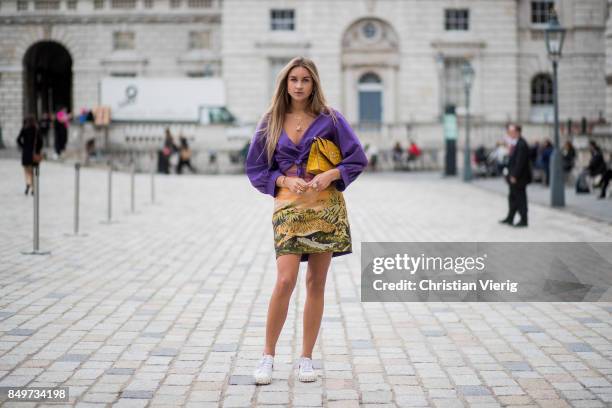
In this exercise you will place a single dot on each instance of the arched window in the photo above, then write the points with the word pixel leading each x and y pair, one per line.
pixel 541 90
pixel 369 78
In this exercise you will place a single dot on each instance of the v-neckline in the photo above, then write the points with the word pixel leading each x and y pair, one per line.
pixel 305 132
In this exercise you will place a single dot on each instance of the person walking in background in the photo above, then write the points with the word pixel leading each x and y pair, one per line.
pixel 90 150
pixel 184 156
pixel 371 152
pixel 31 143
pixel 398 155
pixel 518 176
pixel 414 151
pixel 597 164
pixel 480 159
pixel 168 149
pixel 60 125
pixel 499 157
pixel 605 181
pixel 568 159
pixel 310 219
pixel 544 160
pixel 597 167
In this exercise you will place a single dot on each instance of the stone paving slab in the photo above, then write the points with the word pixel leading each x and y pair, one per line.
pixel 167 307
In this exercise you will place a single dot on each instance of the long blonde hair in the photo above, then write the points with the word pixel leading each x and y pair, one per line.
pixel 271 123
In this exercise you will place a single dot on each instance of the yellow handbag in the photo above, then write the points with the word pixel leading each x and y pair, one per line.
pixel 324 155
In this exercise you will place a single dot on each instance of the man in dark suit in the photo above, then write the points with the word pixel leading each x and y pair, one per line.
pixel 518 176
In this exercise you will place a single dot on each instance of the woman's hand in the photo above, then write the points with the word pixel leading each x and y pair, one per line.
pixel 323 180
pixel 295 184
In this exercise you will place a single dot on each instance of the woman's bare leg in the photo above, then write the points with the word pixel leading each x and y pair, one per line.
pixel 288 267
pixel 28 175
pixel 318 265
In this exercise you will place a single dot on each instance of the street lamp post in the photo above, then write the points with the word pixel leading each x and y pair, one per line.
pixel 554 35
pixel 440 67
pixel 468 79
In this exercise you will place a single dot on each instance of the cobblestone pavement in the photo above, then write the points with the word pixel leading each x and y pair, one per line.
pixel 166 307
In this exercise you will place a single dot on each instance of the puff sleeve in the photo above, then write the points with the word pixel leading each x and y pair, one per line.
pixel 261 175
pixel 354 159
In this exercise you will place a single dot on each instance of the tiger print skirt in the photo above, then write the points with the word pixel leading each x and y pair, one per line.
pixel 312 222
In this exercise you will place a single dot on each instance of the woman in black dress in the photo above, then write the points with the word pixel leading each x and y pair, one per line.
pixel 60 125
pixel 184 156
pixel 31 143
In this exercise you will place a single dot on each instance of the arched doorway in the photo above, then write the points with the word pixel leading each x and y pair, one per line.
pixel 370 98
pixel 48 78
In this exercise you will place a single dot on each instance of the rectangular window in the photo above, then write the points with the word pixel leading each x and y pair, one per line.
pixel 542 90
pixel 282 20
pixel 98 4
pixel 175 3
pixel 199 3
pixel 22 5
pixel 541 11
pixel 148 4
pixel 199 40
pixel 454 91
pixel 123 74
pixel 72 4
pixel 123 4
pixel 46 5
pixel 220 115
pixel 457 19
pixel 123 40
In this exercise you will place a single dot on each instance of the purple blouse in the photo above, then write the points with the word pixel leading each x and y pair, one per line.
pixel 287 154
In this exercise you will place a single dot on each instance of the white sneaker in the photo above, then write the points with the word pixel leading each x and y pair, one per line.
pixel 263 372
pixel 305 371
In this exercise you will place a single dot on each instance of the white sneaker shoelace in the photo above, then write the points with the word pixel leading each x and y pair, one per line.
pixel 306 372
pixel 263 372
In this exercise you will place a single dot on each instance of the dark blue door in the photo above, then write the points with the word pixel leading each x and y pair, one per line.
pixel 370 106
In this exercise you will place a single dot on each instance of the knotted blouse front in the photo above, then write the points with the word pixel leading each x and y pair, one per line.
pixel 290 159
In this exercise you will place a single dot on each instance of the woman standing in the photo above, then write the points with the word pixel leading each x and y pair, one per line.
pixel 167 151
pixel 310 220
pixel 597 164
pixel 62 121
pixel 184 156
pixel 30 142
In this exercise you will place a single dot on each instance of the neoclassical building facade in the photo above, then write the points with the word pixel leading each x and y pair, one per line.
pixel 397 63
pixel 54 53
pixel 391 66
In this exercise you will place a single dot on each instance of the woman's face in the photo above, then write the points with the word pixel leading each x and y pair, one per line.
pixel 299 84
